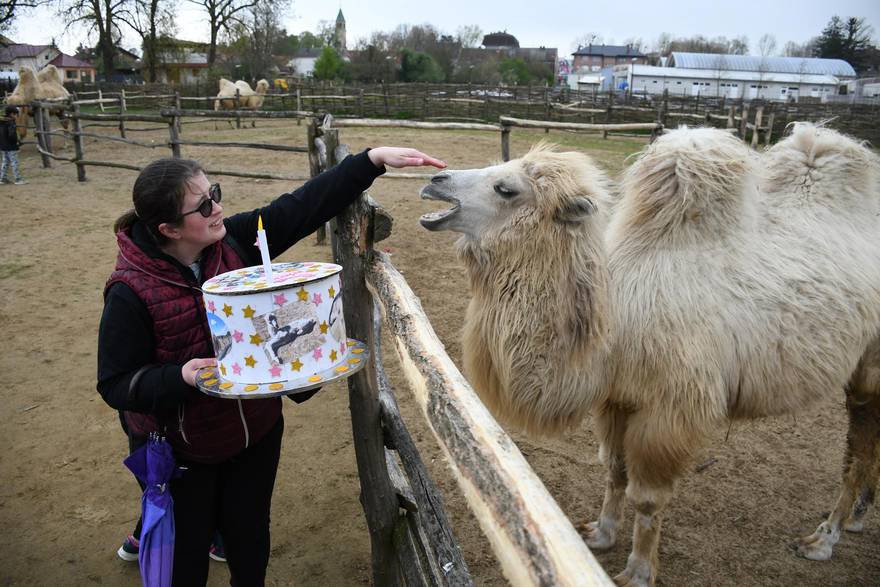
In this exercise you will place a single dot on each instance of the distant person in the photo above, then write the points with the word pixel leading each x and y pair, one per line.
pixel 9 144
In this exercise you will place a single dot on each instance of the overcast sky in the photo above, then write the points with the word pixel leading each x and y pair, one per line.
pixel 551 23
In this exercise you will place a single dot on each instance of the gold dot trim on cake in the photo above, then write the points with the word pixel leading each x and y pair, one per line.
pixel 315 378
pixel 342 368
pixel 276 386
pixel 354 361
pixel 357 351
pixel 225 385
pixel 207 375
pixel 251 387
pixel 211 381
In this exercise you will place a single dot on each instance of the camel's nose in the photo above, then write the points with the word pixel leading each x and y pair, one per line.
pixel 440 178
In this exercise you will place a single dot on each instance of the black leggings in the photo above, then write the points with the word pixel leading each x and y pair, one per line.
pixel 233 497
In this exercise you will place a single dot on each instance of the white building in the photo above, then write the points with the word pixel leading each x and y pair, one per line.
pixel 303 62
pixel 16 56
pixel 737 76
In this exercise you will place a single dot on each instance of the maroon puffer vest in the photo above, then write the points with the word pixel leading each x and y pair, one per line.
pixel 204 429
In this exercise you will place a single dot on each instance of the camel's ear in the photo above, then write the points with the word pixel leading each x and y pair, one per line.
pixel 575 210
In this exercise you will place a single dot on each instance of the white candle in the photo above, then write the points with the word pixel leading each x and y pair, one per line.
pixel 264 250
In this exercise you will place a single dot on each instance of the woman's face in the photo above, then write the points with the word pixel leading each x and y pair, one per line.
pixel 195 228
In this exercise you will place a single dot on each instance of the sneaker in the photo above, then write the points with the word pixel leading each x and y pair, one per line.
pixel 217 553
pixel 20 182
pixel 129 549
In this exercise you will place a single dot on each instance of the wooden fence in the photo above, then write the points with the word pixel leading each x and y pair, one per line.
pixel 486 104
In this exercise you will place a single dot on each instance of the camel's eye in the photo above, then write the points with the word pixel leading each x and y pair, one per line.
pixel 504 192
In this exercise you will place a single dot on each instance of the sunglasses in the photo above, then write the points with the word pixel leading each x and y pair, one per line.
pixel 206 206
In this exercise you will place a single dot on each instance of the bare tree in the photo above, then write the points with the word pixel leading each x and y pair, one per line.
pixel 588 39
pixel 12 9
pixel 767 45
pixel 150 19
pixel 98 16
pixel 469 35
pixel 222 15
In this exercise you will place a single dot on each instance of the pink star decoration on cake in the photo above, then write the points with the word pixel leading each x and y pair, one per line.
pixel 212 306
pixel 236 368
pixel 317 354
pixel 342 347
pixel 275 370
pixel 280 300
pixel 316 299
pixel 238 336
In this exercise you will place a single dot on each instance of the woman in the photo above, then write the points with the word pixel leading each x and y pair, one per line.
pixel 154 337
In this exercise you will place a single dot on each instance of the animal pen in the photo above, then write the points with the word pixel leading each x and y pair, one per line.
pixel 412 542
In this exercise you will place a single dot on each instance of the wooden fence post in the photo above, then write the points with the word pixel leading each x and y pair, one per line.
pixel 769 134
pixel 759 115
pixel 41 128
pixel 175 137
pixel 385 98
pixel 123 107
pixel 353 245
pixel 361 102
pixel 178 108
pixel 317 164
pixel 731 116
pixel 744 122
pixel 79 151
pixel 505 142
pixel 100 97
pixel 237 108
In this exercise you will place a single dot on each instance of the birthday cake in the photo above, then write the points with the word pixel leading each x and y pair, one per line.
pixel 279 336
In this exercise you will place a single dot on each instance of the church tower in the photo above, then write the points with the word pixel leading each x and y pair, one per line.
pixel 339 38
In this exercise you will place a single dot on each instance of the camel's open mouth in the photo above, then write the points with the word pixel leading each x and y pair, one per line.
pixel 434 220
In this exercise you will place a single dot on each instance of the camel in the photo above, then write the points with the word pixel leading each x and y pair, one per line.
pixel 248 98
pixel 45 85
pixel 724 285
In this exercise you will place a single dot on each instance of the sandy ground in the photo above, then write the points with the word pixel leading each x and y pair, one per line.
pixel 66 501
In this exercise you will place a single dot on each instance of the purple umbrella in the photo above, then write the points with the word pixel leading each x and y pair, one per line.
pixel 154 464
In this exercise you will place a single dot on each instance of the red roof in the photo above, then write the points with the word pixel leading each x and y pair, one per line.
pixel 67 61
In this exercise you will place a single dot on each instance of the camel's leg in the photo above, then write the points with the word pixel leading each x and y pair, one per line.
pixel 611 427
pixel 861 469
pixel 657 452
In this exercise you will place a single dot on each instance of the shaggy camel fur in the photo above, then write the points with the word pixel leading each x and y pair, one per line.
pixel 45 85
pixel 725 285
pixel 247 98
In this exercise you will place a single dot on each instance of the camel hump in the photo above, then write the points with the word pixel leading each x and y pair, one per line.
pixel 689 179
pixel 819 165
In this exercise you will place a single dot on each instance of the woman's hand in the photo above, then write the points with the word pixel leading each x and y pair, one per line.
pixel 402 157
pixel 192 366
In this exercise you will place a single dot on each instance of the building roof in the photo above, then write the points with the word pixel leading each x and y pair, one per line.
pixel 11 52
pixel 500 39
pixel 63 60
pixel 310 53
pixel 339 17
pixel 795 65
pixel 610 51
pixel 734 75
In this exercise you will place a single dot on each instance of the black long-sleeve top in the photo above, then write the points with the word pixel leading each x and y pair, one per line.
pixel 125 338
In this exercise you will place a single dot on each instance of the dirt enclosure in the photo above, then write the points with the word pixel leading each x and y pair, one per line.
pixel 66 501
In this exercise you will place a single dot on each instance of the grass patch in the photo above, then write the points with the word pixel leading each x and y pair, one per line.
pixel 8 270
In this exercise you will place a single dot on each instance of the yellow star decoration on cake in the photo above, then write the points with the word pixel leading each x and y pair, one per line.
pixel 333 356
pixel 223 369
pixel 302 294
pixel 250 361
pixel 296 365
pixel 255 339
pixel 323 327
pixel 332 292
pixel 248 311
pixel 227 309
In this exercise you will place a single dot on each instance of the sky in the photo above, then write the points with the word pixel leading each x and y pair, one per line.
pixel 549 23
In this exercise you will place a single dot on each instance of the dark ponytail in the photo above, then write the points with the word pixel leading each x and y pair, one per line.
pixel 158 195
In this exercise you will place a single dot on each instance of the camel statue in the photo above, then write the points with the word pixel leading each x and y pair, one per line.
pixel 45 85
pixel 724 285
